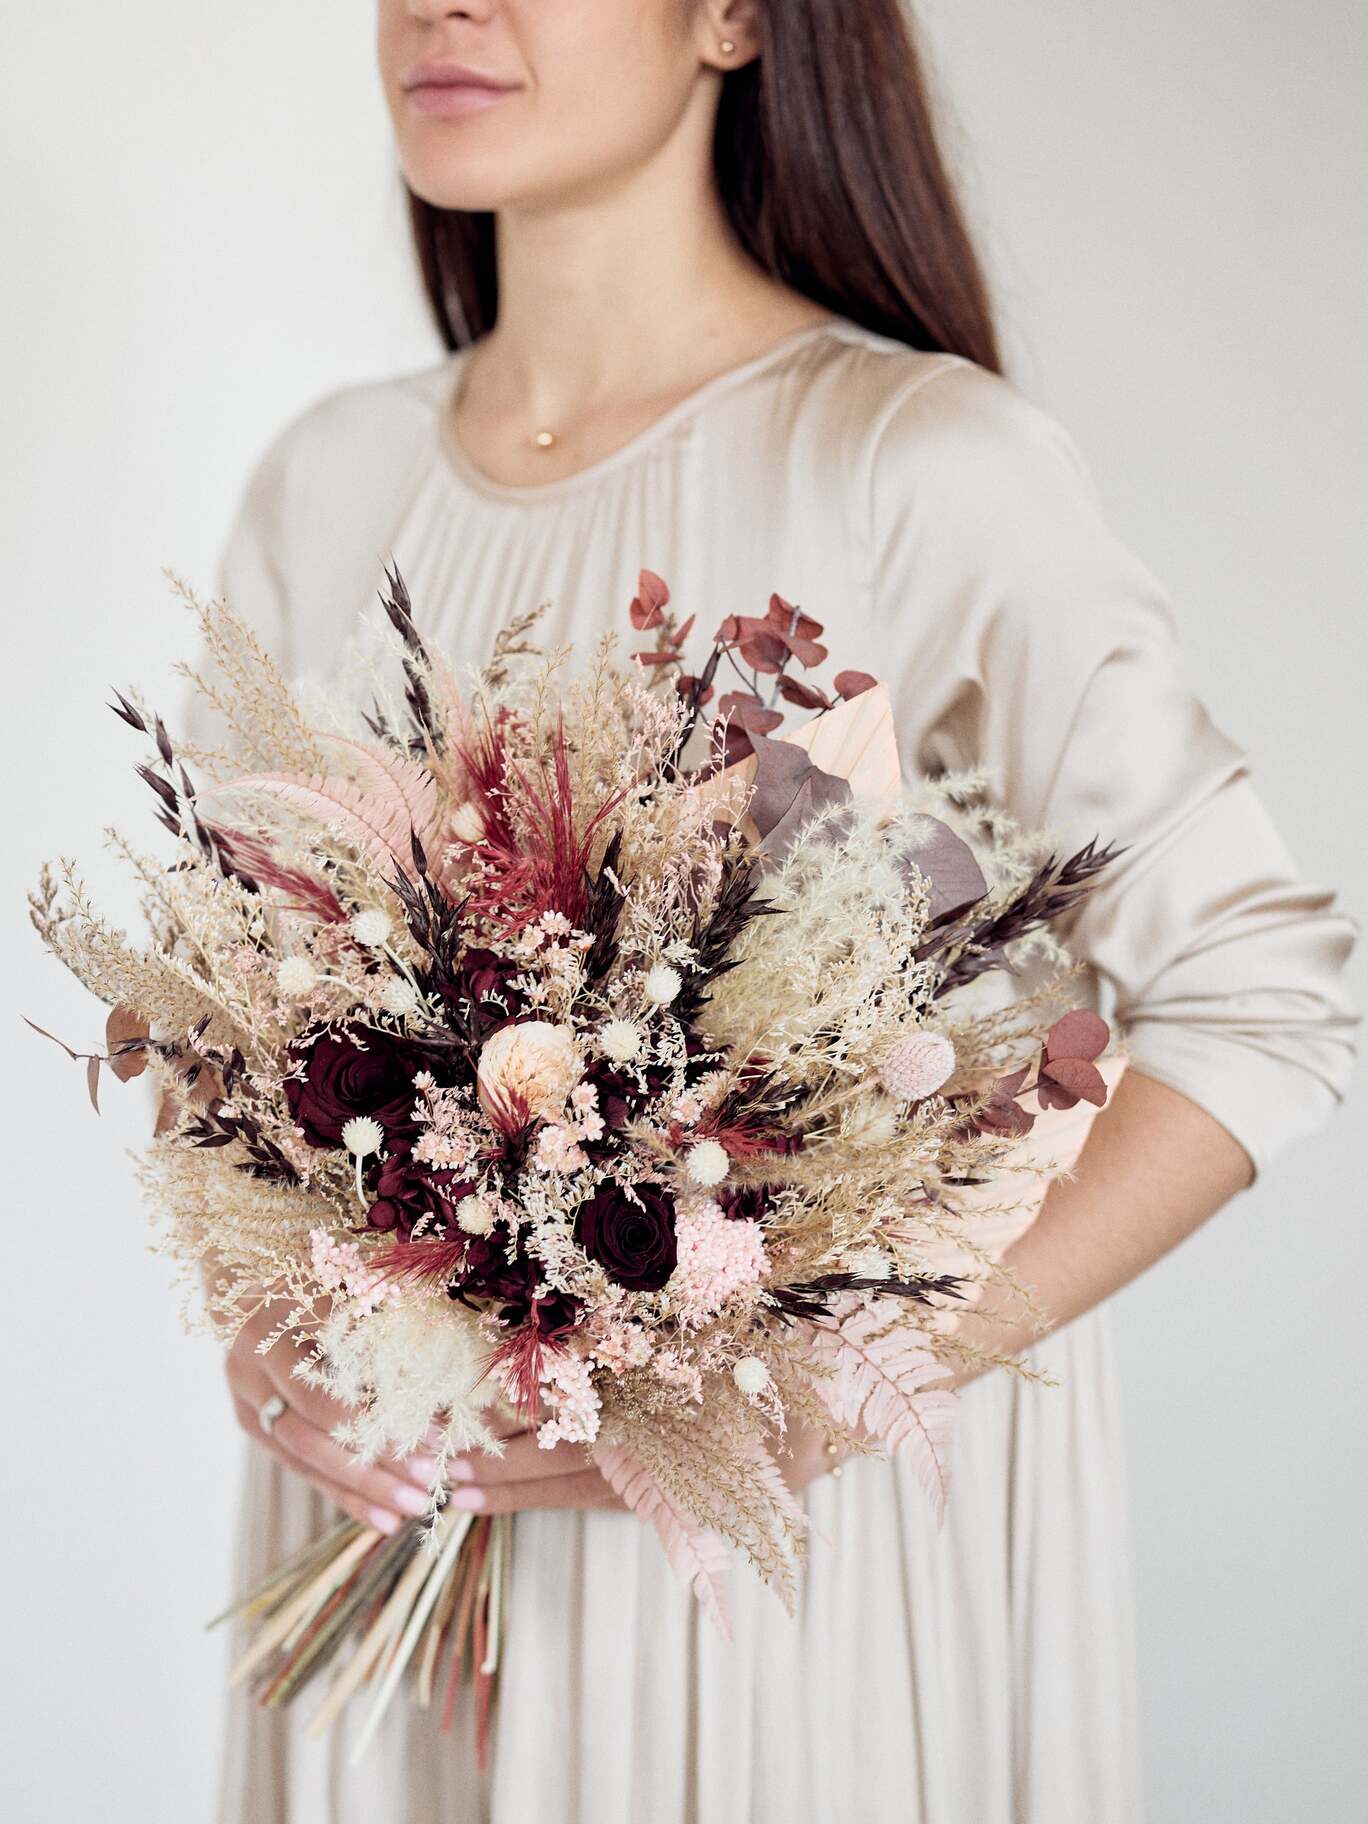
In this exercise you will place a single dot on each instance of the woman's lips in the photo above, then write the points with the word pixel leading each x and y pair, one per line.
pixel 448 96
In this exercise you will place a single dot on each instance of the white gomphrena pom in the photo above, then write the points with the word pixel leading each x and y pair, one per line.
pixel 399 997
pixel 917 1066
pixel 620 1040
pixel 751 1375
pixel 371 927
pixel 475 1215
pixel 707 1163
pixel 662 984
pixel 466 824
pixel 363 1136
pixel 295 975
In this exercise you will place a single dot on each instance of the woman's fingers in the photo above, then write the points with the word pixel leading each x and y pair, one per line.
pixel 523 1460
pixel 323 1456
pixel 582 1489
pixel 351 1501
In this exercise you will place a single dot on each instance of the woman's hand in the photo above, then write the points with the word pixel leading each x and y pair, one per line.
pixel 382 1494
pixel 526 1476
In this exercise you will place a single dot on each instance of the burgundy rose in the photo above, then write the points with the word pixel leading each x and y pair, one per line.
pixel 630 1234
pixel 488 1272
pixel 341 1080
pixel 405 1192
pixel 482 991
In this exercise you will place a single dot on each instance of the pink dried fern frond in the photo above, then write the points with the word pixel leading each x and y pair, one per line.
pixel 882 1366
pixel 696 1555
pixel 381 771
pixel 377 821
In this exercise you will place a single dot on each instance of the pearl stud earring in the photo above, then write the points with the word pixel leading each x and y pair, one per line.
pixel 726 47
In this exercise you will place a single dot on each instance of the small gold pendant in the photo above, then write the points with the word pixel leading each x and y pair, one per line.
pixel 544 439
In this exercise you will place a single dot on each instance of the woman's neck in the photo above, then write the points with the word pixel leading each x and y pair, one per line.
pixel 626 298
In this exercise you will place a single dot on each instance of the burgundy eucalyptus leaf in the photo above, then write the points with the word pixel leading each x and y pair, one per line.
pixel 93 1082
pixel 1075 1078
pixel 763 652
pixel 655 658
pixel 682 632
pixel 1080 1034
pixel 947 863
pixel 651 597
pixel 807 652
pixel 122 1026
pixel 686 683
pixel 806 696
pixel 745 709
pixel 850 684
pixel 790 622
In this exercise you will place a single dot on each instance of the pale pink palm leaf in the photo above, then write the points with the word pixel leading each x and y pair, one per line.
pixel 380 769
pixel 881 1367
pixel 376 821
pixel 696 1555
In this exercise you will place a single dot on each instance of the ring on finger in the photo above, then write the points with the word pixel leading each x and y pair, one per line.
pixel 269 1411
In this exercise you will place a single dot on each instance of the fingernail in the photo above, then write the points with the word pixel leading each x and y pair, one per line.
pixel 469 1498
pixel 460 1469
pixel 419 1469
pixel 384 1521
pixel 414 1501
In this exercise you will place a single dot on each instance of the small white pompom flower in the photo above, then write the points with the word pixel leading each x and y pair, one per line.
pixel 371 927
pixel 399 997
pixel 295 975
pixel 620 1040
pixel 751 1375
pixel 917 1066
pixel 363 1136
pixel 662 984
pixel 707 1163
pixel 475 1215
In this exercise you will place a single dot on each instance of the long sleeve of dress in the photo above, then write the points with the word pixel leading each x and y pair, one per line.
pixel 1042 649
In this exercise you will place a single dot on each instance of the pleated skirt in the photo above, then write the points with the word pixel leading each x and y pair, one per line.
pixel 979 1673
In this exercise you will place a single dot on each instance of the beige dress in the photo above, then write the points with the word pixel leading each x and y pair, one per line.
pixel 946 532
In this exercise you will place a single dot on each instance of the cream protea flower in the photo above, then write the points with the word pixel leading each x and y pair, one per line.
pixel 620 1040
pixel 363 1136
pixel 295 976
pixel 371 927
pixel 707 1163
pixel 534 1064
pixel 917 1066
pixel 662 984
pixel 399 997
pixel 751 1375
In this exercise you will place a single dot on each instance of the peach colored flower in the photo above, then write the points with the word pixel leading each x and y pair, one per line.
pixel 534 1064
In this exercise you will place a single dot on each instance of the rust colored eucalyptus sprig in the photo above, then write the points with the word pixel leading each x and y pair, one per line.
pixel 755 647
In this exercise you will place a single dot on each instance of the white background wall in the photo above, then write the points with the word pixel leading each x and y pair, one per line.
pixel 201 231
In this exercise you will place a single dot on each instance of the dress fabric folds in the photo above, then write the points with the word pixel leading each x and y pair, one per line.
pixel 946 531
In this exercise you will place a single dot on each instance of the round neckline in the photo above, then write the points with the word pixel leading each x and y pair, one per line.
pixel 454 456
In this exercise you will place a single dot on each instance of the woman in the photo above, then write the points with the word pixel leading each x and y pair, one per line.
pixel 711 308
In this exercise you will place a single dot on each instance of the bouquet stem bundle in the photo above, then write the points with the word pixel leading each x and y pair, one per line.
pixel 428 1602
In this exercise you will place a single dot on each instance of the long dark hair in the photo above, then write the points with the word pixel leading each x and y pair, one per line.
pixel 828 165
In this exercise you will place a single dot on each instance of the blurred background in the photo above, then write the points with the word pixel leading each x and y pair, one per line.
pixel 203 231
